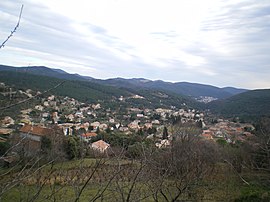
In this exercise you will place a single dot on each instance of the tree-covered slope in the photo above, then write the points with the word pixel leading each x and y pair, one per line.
pixel 81 90
pixel 250 103
pixel 45 71
pixel 87 91
pixel 180 88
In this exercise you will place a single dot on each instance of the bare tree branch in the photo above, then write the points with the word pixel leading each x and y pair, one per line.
pixel 98 163
pixel 237 173
pixel 14 30
pixel 28 99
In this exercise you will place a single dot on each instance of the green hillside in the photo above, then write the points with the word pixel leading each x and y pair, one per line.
pixel 83 91
pixel 253 103
pixel 181 89
pixel 87 91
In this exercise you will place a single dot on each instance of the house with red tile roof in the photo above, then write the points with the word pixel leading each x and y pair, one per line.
pixel 100 146
pixel 35 132
pixel 31 136
pixel 88 136
pixel 207 134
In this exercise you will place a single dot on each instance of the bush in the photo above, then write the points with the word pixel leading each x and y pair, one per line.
pixel 73 147
pixel 4 146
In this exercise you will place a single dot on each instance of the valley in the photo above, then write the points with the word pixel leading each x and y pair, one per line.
pixel 127 128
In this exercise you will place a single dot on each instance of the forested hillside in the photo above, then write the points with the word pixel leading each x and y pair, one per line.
pixel 87 91
pixel 193 90
pixel 251 103
pixel 84 91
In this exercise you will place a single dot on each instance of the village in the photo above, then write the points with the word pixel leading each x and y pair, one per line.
pixel 87 121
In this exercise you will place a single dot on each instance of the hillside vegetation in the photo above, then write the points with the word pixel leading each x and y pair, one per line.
pixel 83 91
pixel 180 88
pixel 251 103
pixel 87 91
pixel 45 71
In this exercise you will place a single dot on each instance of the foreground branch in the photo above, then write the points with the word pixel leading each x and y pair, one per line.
pixel 28 99
pixel 14 30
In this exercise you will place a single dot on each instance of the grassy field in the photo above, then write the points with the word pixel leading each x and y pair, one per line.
pixel 113 179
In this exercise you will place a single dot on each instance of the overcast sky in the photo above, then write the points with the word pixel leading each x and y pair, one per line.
pixel 217 42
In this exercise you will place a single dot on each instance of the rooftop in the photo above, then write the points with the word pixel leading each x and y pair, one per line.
pixel 36 130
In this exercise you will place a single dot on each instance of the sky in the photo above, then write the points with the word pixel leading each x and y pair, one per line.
pixel 216 42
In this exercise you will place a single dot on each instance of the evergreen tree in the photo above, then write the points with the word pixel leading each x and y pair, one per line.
pixel 165 133
pixel 140 132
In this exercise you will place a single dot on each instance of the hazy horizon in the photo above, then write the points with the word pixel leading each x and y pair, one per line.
pixel 117 77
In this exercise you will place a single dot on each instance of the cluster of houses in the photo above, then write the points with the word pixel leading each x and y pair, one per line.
pixel 87 120
pixel 5 130
pixel 206 99
pixel 229 131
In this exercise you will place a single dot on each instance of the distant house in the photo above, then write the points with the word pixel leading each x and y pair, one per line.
pixel 39 107
pixel 95 125
pixel 148 125
pixel 30 138
pixel 103 126
pixel 46 104
pixel 111 120
pixel 45 115
pixel 207 134
pixel 140 115
pixel 97 106
pixel 100 146
pixel 156 122
pixel 163 144
pixel 88 136
pixel 55 117
pixel 7 121
pixel 4 134
pixel 26 111
pixel 134 125
pixel 85 126
pixel 51 98
pixel 79 114
pixel 5 131
pixel 123 129
pixel 70 117
pixel 137 97
pixel 34 132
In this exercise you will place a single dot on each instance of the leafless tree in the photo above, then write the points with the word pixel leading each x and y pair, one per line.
pixel 262 153
pixel 178 171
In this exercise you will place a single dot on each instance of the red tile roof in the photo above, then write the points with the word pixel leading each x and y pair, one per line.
pixel 89 135
pixel 100 145
pixel 36 130
pixel 207 136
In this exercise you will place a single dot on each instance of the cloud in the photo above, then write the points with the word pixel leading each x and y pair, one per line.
pixel 223 43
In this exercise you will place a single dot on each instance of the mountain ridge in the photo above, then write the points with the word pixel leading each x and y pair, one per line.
pixel 193 90
pixel 155 93
pixel 181 88
pixel 45 71
pixel 88 91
